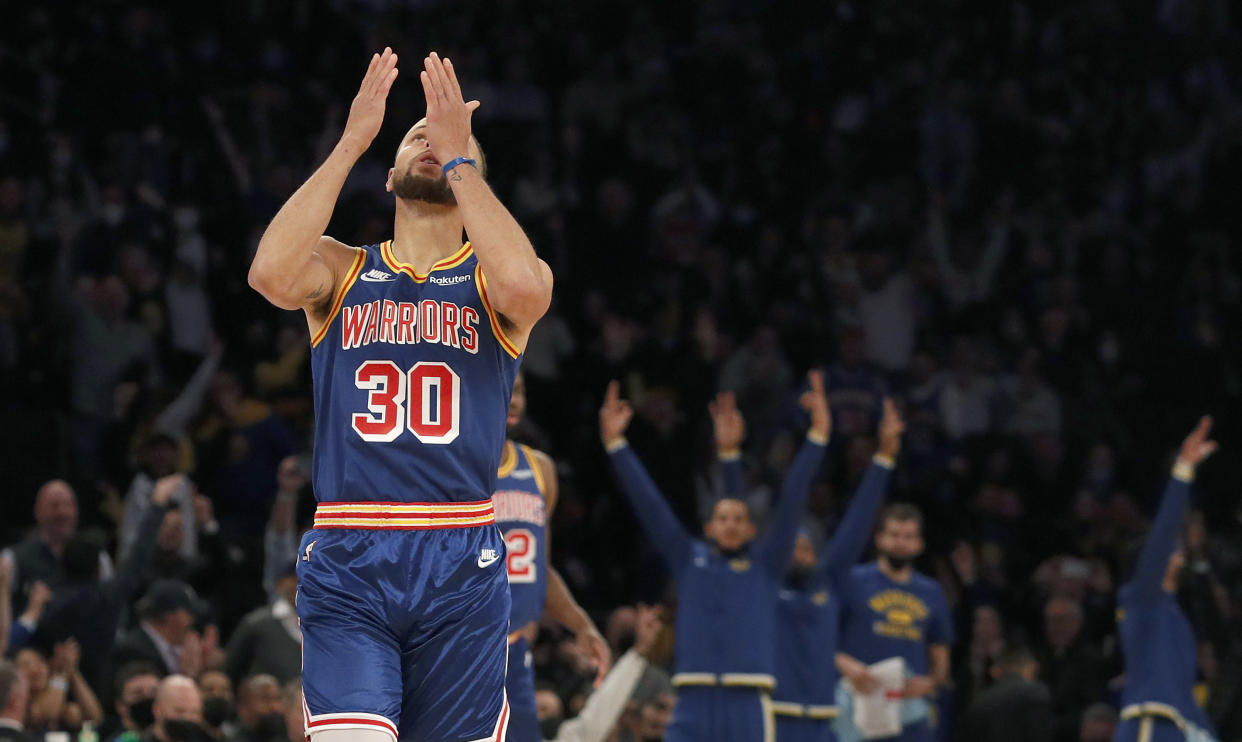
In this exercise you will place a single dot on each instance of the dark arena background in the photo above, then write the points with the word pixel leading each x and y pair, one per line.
pixel 1020 220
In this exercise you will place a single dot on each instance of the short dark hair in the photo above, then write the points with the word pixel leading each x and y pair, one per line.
pixel 1014 658
pixel 901 511
pixel 8 681
pixel 131 670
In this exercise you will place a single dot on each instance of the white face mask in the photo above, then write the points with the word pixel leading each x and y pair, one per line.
pixel 112 214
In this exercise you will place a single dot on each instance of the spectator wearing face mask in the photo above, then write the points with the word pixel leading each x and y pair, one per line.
pixel 260 710
pixel 217 691
pixel 178 712
pixel 136 684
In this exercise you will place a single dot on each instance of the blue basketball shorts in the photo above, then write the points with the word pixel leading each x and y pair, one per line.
pixel 520 689
pixel 721 714
pixel 404 609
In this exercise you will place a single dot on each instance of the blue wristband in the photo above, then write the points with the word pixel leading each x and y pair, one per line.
pixel 458 161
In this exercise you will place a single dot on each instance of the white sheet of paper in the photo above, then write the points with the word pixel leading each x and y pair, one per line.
pixel 878 714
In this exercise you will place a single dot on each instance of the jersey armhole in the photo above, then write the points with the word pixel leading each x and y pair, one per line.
pixel 360 258
pixel 480 283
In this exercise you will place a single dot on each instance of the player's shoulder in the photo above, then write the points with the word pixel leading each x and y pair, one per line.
pixel 926 583
pixel 864 571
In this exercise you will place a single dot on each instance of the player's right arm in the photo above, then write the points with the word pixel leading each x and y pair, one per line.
pixel 1161 542
pixel 296 266
pixel 655 515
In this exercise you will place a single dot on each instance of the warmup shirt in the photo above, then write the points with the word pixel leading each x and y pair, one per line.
pixel 1157 640
pixel 725 660
pixel 808 613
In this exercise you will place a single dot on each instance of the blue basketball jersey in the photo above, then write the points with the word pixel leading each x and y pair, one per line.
pixel 522 516
pixel 412 378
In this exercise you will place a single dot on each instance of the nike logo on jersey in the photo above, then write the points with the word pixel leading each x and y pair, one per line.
pixel 522 474
pixel 375 274
pixel 487 557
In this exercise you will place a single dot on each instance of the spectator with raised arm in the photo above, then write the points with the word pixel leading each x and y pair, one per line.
pixel 808 610
pixel 728 581
pixel 1157 639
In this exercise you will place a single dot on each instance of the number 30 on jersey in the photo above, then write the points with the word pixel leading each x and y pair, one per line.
pixel 426 400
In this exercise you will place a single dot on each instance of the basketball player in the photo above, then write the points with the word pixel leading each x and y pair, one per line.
pixel 1157 640
pixel 526 490
pixel 727 583
pixel 807 610
pixel 404 601
pixel 891 610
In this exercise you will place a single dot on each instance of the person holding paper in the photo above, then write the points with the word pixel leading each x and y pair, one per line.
pixel 894 614
pixel 808 606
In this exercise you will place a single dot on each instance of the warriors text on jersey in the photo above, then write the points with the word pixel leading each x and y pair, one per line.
pixel 412 378
pixel 522 516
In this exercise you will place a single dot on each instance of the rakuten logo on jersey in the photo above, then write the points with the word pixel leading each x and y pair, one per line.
pixel 448 280
pixel 406 323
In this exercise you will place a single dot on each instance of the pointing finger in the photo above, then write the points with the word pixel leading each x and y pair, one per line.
pixel 441 77
pixel 817 381
pixel 614 389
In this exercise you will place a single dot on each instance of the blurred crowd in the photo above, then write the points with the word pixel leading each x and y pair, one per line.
pixel 1017 218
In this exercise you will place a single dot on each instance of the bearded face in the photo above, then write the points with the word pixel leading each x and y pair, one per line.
pixel 414 187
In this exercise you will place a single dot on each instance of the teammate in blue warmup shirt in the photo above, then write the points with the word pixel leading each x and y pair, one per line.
pixel 890 610
pixel 727 584
pixel 1157 640
pixel 526 490
pixel 403 598
pixel 807 610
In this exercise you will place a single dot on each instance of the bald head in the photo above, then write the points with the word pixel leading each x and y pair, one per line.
pixel 178 699
pixel 56 512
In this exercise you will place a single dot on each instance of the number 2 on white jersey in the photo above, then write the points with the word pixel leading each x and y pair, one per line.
pixel 430 393
pixel 521 547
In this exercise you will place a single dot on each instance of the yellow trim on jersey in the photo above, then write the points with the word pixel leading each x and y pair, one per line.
pixel 405 508
pixel 508 460
pixel 480 282
pixel 787 708
pixel 535 468
pixel 693 678
pixel 402 523
pixel 350 278
pixel 1154 709
pixel 769 719
pixel 452 261
pixel 728 679
pixel 749 679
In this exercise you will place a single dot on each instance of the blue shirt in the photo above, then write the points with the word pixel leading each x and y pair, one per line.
pixel 412 378
pixel 808 614
pixel 522 516
pixel 883 618
pixel 1157 641
pixel 726 602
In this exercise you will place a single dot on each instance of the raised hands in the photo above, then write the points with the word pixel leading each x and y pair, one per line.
pixel 727 422
pixel 1197 447
pixel 165 488
pixel 366 113
pixel 815 402
pixel 614 415
pixel 448 113
pixel 891 428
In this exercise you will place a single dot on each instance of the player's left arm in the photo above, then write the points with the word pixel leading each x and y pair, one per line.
pixel 559 603
pixel 777 546
pixel 519 284
pixel 939 638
